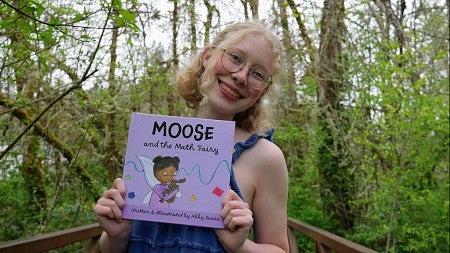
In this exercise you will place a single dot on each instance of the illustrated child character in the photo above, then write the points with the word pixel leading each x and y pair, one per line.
pixel 165 169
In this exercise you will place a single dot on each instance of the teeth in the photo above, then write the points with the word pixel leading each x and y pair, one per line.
pixel 230 91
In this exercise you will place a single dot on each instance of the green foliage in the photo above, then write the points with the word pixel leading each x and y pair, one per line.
pixel 124 17
pixel 127 18
pixel 416 218
pixel 296 136
pixel 14 199
pixel 70 206
pixel 304 204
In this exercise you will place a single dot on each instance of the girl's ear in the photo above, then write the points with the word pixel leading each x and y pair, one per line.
pixel 206 54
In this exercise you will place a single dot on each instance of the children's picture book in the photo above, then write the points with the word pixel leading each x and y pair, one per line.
pixel 177 169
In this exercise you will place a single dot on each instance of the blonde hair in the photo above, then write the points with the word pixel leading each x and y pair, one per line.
pixel 193 80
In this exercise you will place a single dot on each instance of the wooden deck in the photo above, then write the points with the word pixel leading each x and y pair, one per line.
pixel 324 242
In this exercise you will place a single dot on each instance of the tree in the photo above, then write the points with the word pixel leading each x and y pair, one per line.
pixel 32 170
pixel 334 167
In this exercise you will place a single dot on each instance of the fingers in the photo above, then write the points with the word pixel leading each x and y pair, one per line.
pixel 235 212
pixel 110 205
pixel 111 202
pixel 110 212
pixel 238 218
pixel 119 184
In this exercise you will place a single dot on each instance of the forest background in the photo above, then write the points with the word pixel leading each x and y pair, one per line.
pixel 363 122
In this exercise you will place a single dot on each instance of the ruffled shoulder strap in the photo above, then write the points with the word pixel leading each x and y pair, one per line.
pixel 241 147
pixel 251 140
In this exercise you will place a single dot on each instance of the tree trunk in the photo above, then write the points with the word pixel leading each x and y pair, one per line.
pixel 208 23
pixel 303 32
pixel 290 85
pixel 254 7
pixel 33 178
pixel 245 5
pixel 193 23
pixel 334 170
pixel 31 169
pixel 170 98
pixel 114 158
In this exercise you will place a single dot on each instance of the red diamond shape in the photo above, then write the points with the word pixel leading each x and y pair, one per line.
pixel 218 191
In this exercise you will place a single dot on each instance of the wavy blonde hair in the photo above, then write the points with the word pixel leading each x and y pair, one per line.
pixel 193 79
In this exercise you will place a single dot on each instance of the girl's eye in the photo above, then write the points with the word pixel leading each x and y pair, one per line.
pixel 236 58
pixel 258 74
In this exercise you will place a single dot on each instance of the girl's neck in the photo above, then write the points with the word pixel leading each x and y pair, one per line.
pixel 239 134
pixel 208 114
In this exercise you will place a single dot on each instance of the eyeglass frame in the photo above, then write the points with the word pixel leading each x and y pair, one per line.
pixel 267 82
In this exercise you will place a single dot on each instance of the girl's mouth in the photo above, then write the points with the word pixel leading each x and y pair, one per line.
pixel 229 91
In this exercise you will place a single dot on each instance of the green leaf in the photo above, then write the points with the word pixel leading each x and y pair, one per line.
pixel 78 17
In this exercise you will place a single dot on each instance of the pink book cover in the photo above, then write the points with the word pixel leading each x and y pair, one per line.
pixel 177 169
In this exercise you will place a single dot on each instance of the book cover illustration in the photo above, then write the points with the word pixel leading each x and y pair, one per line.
pixel 177 169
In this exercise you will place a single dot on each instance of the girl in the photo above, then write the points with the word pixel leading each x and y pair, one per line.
pixel 233 78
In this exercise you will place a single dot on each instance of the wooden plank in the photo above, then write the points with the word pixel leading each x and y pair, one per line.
pixel 51 240
pixel 332 241
pixel 320 248
pixel 293 247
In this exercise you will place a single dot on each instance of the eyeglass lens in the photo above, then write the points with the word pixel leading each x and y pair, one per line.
pixel 233 61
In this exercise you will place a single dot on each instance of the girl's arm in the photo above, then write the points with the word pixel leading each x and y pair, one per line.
pixel 268 213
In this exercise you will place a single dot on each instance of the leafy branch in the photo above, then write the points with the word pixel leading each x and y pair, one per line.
pixel 126 18
pixel 71 24
pixel 77 85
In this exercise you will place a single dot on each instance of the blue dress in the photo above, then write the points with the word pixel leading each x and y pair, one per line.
pixel 158 237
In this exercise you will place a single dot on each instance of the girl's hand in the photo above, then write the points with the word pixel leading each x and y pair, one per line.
pixel 108 211
pixel 238 220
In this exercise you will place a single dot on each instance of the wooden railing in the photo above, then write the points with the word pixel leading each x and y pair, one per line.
pixel 324 242
pixel 53 240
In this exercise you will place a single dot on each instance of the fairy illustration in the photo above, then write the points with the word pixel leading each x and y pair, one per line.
pixel 160 175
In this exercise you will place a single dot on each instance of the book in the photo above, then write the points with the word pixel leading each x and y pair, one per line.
pixel 177 169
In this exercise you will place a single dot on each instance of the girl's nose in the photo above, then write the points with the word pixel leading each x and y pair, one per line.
pixel 241 76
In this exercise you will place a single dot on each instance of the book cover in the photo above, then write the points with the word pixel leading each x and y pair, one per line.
pixel 177 169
